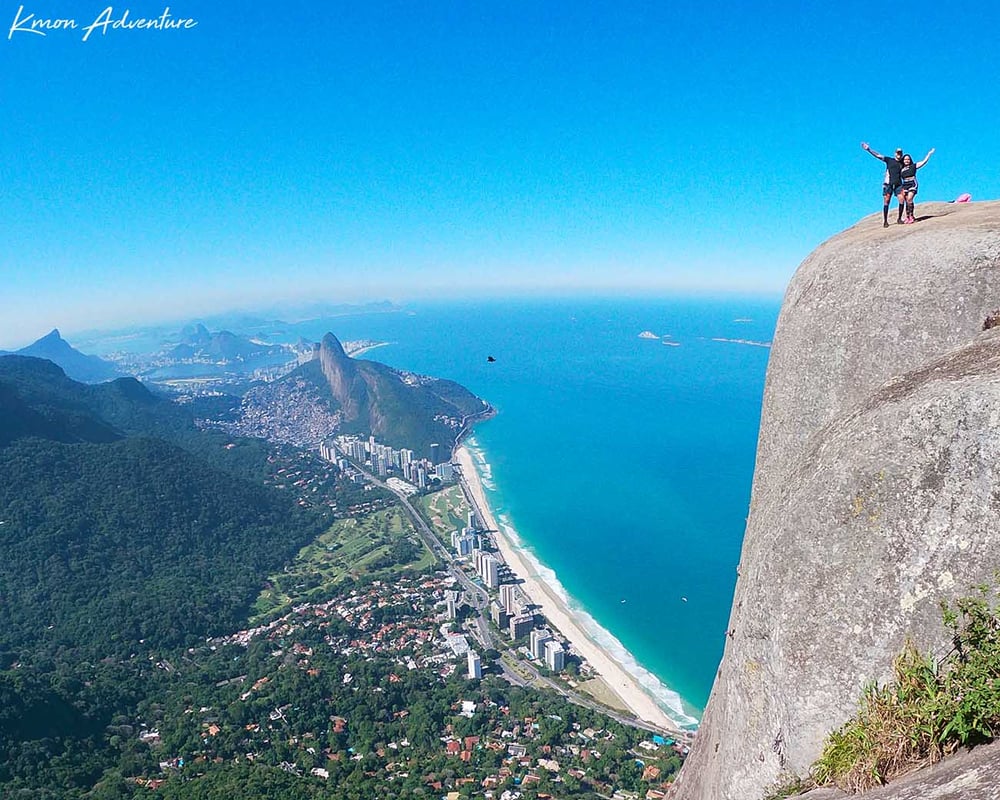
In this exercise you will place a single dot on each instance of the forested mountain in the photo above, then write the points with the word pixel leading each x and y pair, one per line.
pixel 104 545
pixel 124 531
pixel 40 400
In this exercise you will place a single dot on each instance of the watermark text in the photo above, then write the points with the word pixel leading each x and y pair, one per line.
pixel 106 21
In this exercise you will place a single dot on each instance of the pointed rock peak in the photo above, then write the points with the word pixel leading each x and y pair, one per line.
pixel 52 342
pixel 331 346
pixel 341 373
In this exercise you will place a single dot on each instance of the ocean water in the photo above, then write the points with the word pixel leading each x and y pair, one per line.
pixel 623 465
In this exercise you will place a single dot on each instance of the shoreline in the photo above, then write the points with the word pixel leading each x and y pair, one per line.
pixel 559 615
pixel 366 348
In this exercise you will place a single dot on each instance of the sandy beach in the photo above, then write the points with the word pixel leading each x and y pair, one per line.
pixel 559 616
pixel 354 353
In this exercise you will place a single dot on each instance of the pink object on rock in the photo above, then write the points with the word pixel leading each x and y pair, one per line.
pixel 963 198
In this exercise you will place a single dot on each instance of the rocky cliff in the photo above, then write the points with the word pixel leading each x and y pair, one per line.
pixel 401 409
pixel 876 491
pixel 347 384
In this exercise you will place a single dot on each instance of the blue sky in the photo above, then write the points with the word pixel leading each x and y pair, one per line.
pixel 361 151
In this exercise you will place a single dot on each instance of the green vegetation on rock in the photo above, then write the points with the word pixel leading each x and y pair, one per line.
pixel 929 708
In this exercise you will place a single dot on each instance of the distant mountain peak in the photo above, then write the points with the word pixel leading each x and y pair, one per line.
pixel 77 365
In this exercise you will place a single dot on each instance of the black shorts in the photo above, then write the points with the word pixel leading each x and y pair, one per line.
pixel 910 185
pixel 889 189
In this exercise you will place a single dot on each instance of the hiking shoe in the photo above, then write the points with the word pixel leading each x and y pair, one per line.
pixel 885 224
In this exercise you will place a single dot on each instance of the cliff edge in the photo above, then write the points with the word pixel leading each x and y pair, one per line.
pixel 876 490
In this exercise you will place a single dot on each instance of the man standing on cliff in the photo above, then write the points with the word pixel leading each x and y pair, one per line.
pixel 893 182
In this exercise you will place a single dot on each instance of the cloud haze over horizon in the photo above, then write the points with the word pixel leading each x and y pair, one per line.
pixel 353 152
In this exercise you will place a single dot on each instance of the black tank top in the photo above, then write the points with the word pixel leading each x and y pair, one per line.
pixel 893 166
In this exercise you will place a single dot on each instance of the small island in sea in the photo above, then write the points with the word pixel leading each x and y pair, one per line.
pixel 750 342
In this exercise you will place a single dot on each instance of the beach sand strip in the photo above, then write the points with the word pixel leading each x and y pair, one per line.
pixel 561 617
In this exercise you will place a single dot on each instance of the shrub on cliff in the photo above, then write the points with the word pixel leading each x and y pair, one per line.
pixel 929 708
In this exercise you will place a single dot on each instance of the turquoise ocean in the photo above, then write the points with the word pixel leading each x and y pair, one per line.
pixel 623 465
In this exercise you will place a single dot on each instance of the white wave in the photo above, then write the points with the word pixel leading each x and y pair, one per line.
pixel 665 697
pixel 482 465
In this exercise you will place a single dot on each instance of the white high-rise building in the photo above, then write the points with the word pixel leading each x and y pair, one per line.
pixel 539 638
pixel 490 571
pixel 475 666
pixel 555 656
pixel 508 597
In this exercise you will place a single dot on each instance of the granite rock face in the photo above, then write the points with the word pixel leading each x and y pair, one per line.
pixel 876 491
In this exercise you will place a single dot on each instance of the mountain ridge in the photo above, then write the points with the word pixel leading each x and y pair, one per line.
pixel 80 366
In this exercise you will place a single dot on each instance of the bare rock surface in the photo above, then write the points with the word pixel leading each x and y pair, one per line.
pixel 876 492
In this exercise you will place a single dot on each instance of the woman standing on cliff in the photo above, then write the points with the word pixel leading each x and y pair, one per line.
pixel 908 174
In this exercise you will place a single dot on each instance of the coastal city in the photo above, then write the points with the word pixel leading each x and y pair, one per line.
pixel 473 548
pixel 388 638
pixel 466 625
pixel 491 599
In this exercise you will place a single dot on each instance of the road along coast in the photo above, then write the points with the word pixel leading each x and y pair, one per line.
pixel 559 616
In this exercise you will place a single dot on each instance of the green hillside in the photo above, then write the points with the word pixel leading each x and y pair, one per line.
pixel 124 533
pixel 399 409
